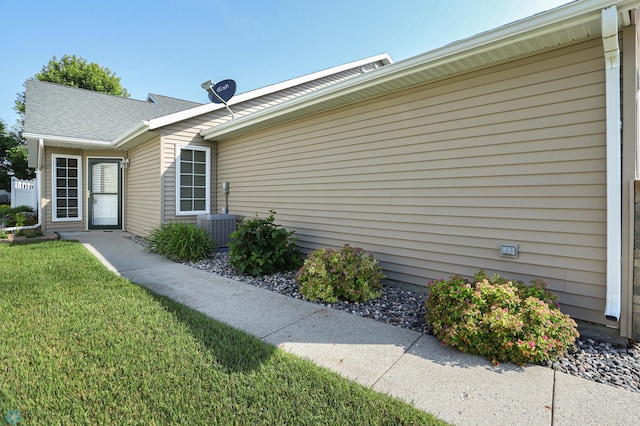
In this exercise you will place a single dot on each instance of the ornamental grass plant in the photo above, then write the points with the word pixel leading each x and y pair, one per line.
pixel 499 319
pixel 180 241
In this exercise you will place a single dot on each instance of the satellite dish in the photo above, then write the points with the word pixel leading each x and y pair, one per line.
pixel 222 91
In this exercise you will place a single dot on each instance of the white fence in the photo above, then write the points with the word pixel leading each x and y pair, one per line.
pixel 24 193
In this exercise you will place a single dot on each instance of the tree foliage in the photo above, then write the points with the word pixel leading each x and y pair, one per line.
pixel 75 71
pixel 72 70
pixel 13 158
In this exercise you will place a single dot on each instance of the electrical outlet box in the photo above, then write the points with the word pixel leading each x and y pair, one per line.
pixel 508 250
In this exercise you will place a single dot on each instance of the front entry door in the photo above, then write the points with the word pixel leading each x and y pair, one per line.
pixel 105 194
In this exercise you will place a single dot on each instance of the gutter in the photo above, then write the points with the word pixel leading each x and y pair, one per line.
pixel 578 14
pixel 67 140
pixel 614 167
pixel 39 189
pixel 136 131
pixel 242 97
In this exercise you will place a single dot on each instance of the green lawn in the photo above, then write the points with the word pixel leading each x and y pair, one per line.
pixel 80 345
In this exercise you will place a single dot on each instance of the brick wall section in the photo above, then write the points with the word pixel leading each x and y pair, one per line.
pixel 636 264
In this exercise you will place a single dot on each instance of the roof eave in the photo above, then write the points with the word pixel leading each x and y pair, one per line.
pixel 206 108
pixel 584 15
pixel 68 142
pixel 133 137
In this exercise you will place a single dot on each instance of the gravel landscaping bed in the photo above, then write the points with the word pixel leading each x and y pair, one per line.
pixel 593 360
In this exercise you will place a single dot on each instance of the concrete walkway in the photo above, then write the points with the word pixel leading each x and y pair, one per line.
pixel 459 388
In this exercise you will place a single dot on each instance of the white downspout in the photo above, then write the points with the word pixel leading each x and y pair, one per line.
pixel 38 190
pixel 614 167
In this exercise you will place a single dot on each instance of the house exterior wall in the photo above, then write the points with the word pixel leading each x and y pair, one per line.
pixel 636 266
pixel 432 179
pixel 48 224
pixel 143 195
pixel 187 133
pixel 629 325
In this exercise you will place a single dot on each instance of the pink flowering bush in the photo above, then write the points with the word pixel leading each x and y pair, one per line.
pixel 347 273
pixel 499 319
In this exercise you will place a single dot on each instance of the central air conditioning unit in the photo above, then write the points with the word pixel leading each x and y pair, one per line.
pixel 218 226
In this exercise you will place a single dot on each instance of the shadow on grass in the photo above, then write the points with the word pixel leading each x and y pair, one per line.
pixel 235 350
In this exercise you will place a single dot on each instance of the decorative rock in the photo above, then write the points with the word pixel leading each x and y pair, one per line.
pixel 403 308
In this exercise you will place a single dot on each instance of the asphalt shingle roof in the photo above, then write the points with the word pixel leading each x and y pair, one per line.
pixel 71 112
pixel 167 101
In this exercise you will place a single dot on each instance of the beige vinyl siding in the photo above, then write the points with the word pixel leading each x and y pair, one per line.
pixel 187 133
pixel 432 179
pixel 143 203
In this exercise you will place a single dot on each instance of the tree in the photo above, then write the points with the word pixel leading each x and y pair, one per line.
pixel 70 70
pixel 6 143
pixel 13 158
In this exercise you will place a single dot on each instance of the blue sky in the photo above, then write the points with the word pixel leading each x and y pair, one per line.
pixel 171 46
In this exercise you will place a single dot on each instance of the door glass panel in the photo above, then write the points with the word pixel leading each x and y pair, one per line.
pixel 105 178
pixel 104 194
pixel 105 209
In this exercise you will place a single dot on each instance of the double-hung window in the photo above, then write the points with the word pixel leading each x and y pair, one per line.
pixel 67 187
pixel 192 180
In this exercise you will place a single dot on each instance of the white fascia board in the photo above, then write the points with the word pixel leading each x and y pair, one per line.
pixel 135 131
pixel 206 108
pixel 570 14
pixel 576 13
pixel 385 58
pixel 72 141
pixel 176 117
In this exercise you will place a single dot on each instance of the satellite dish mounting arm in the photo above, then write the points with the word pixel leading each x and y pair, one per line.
pixel 210 87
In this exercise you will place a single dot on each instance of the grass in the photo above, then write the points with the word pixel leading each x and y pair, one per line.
pixel 81 345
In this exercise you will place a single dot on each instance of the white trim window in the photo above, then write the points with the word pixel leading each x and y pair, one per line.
pixel 66 187
pixel 193 187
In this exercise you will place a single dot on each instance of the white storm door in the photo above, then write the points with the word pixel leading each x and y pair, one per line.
pixel 104 194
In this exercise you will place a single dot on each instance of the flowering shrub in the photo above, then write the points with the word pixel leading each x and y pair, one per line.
pixel 347 273
pixel 499 319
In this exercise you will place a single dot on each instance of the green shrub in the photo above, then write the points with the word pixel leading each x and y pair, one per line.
pixel 16 216
pixel 259 247
pixel 29 233
pixel 3 234
pixel 180 242
pixel 6 209
pixel 347 273
pixel 496 318
pixel 21 219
